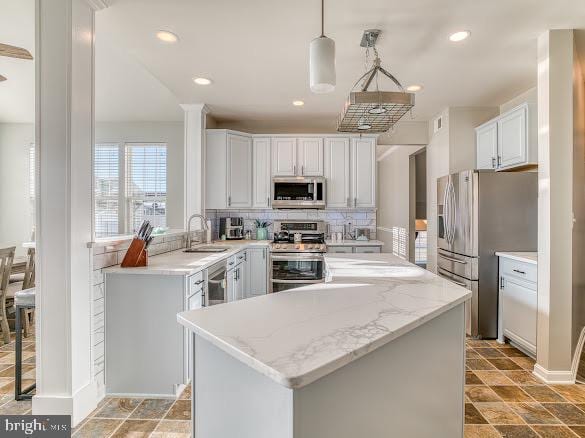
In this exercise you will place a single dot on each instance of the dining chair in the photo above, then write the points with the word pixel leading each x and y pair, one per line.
pixel 28 313
pixel 6 258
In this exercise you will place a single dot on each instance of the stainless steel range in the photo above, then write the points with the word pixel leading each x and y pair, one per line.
pixel 297 254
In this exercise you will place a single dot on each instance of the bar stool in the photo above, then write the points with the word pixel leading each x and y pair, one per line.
pixel 24 300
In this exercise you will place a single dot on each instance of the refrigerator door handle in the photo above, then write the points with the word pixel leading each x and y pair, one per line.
pixel 452 212
pixel 448 277
pixel 446 211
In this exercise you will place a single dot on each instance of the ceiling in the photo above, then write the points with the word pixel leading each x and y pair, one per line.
pixel 256 53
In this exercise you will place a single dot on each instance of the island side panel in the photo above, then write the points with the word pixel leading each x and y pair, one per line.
pixel 144 343
pixel 411 387
pixel 230 399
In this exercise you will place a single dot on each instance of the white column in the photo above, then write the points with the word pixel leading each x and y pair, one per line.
pixel 555 206
pixel 64 138
pixel 195 117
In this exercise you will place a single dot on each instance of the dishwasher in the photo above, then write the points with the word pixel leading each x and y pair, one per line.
pixel 216 284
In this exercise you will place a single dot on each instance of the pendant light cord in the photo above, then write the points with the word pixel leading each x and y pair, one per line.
pixel 322 18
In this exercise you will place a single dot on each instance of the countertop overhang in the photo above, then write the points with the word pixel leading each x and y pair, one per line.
pixel 298 336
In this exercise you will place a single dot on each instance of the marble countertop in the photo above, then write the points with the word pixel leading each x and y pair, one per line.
pixel 183 263
pixel 528 257
pixel 354 243
pixel 298 336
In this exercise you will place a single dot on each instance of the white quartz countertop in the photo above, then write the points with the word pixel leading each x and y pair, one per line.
pixel 188 263
pixel 528 257
pixel 298 336
pixel 354 243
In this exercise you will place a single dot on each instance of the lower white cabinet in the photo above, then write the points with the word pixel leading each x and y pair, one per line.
pixel 340 249
pixel 257 272
pixel 518 303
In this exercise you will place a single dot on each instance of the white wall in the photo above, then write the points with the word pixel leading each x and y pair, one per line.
pixel 529 96
pixel 437 166
pixel 16 216
pixel 394 201
pixel 168 132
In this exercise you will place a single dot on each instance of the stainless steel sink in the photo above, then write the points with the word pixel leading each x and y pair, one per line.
pixel 207 248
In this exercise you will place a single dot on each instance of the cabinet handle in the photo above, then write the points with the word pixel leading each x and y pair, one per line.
pixel 294 169
pixel 268 201
pixel 229 201
pixel 501 282
pixel 354 202
pixel 199 282
pixel 499 161
pixel 519 271
pixel 493 162
pixel 302 170
pixel 230 263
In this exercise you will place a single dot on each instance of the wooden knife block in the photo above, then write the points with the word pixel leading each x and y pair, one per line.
pixel 137 255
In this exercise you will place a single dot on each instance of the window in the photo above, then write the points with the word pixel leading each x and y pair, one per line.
pixel 130 185
pixel 106 189
pixel 146 184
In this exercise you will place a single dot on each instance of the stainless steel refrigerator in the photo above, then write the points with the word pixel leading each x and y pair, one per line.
pixel 479 213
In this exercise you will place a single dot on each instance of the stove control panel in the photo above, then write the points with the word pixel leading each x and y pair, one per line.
pixel 298 247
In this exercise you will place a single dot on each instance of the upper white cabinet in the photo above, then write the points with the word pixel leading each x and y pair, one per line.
pixel 297 156
pixel 337 172
pixel 239 171
pixel 284 156
pixel 508 141
pixel 262 172
pixel 487 146
pixel 228 165
pixel 310 156
pixel 363 154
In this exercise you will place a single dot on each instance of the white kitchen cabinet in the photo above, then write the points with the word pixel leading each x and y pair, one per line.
pixel 339 249
pixel 310 156
pixel 487 145
pixel 284 156
pixel 348 248
pixel 261 165
pixel 257 272
pixel 509 141
pixel 337 171
pixel 512 138
pixel 239 171
pixel 518 303
pixel 363 172
pixel 216 170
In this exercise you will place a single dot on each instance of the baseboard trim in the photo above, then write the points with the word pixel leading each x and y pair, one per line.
pixel 79 406
pixel 554 377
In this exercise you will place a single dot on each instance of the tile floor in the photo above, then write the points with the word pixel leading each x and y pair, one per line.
pixel 504 399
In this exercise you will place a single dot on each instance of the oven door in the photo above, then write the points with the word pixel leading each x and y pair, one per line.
pixel 296 270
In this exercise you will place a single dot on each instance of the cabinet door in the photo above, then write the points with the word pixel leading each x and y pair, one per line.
pixel 310 151
pixel 519 311
pixel 284 156
pixel 231 285
pixel 261 166
pixel 337 172
pixel 215 171
pixel 240 277
pixel 364 172
pixel 512 138
pixel 239 171
pixel 487 146
pixel 258 271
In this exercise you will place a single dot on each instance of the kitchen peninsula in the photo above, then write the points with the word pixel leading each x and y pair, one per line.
pixel 379 347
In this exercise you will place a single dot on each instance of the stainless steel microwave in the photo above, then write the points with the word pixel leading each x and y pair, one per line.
pixel 298 192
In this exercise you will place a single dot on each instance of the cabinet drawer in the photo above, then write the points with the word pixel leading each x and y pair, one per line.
pixel 522 270
pixel 366 249
pixel 195 282
pixel 339 249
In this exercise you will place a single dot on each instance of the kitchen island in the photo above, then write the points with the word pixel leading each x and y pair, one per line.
pixel 376 351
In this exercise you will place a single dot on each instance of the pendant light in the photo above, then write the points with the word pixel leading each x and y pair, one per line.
pixel 322 61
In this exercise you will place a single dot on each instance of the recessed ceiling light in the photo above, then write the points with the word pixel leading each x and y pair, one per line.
pixel 298 103
pixel 202 81
pixel 459 36
pixel 166 36
pixel 414 88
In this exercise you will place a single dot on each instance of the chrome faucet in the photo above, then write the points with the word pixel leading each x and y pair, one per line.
pixel 203 226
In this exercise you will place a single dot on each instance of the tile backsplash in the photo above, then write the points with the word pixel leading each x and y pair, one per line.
pixel 336 219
